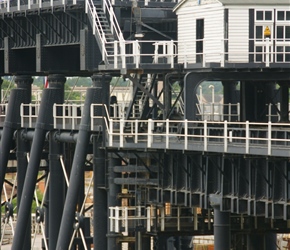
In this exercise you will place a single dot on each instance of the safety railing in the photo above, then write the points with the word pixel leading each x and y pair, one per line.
pixel 123 219
pixel 171 52
pixel 29 113
pixel 219 111
pixel 97 25
pixel 3 111
pixel 199 135
pixel 67 116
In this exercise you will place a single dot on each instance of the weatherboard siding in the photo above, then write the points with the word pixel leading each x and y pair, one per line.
pixel 238 35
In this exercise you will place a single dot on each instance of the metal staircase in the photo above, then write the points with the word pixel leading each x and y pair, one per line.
pixel 105 29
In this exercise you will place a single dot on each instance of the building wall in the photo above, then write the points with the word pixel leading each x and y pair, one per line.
pixel 213 14
pixel 238 35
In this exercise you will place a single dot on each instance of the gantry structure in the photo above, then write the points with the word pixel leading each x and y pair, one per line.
pixel 163 167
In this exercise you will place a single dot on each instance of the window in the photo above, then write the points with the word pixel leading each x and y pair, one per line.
pixel 264 15
pixel 199 39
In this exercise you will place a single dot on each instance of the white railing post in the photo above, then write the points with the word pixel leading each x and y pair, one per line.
pixel 267 52
pixel 167 134
pixel 136 131
pixel 148 220
pixel 185 55
pixel 150 133
pixel 86 7
pixel 238 111
pixel 205 135
pixel 225 136
pixel 156 52
pixel 110 132
pixel 247 137
pixel 126 221
pixel 54 115
pixel 123 53
pixel 117 220
pixel 111 219
pixel 103 46
pixel 269 138
pixel 115 54
pixel 136 53
pixel 111 11
pixel 170 52
pixel 269 112
pixel 122 133
pixel 185 134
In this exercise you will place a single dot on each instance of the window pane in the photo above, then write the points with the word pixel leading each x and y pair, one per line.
pixel 279 54
pixel 268 15
pixel 259 32
pixel 260 15
pixel 287 15
pixel 258 53
pixel 280 15
pixel 287 32
pixel 287 55
pixel 280 32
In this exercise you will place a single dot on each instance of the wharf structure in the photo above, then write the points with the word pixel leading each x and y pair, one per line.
pixel 159 177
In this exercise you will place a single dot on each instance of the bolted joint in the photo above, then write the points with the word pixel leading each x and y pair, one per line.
pixel 8 210
pixel 79 221
pixel 100 79
pixel 39 214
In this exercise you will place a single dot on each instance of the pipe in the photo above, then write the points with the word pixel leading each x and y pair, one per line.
pixel 22 94
pixel 94 93
pixel 23 147
pixel 56 189
pixel 51 95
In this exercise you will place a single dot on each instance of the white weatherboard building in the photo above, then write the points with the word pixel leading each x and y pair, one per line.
pixel 233 31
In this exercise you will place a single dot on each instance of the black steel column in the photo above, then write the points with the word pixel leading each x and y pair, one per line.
pixel 23 147
pixel 113 191
pixel 22 94
pixel 284 92
pixel 101 83
pixel 56 189
pixel 66 228
pixel 222 233
pixel 54 94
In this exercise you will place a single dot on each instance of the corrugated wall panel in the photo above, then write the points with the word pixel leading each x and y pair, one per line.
pixel 213 15
pixel 238 35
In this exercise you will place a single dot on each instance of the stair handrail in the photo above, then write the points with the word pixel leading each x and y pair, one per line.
pixel 97 25
pixel 113 20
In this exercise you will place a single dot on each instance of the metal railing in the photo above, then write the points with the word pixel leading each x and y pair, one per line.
pixel 123 219
pixel 215 111
pixel 67 116
pixel 29 113
pixel 224 134
pixel 165 52
pixel 97 25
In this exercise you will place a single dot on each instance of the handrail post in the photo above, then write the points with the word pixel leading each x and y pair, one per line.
pixel 115 54
pixel 136 131
pixel 267 52
pixel 110 132
pixel 247 137
pixel 225 136
pixel 269 138
pixel 205 135
pixel 167 134
pixel 148 212
pixel 150 134
pixel 185 134
pixel 111 19
pixel 122 133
